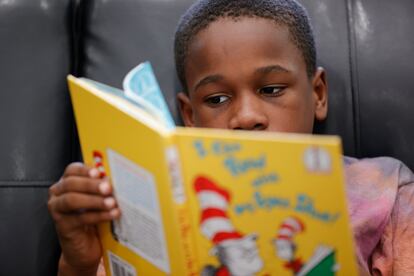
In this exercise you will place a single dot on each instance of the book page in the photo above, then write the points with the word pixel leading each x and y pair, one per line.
pixel 140 227
pixel 141 86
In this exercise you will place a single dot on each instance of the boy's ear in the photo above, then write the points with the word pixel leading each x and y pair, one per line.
pixel 186 109
pixel 320 93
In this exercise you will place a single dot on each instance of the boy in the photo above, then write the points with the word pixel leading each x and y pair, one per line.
pixel 250 65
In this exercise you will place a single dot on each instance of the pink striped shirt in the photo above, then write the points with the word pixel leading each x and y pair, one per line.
pixel 381 204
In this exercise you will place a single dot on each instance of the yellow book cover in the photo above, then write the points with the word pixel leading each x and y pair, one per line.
pixel 212 202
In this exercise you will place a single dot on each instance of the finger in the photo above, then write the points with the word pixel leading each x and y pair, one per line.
pixel 91 218
pixel 80 169
pixel 82 185
pixel 70 221
pixel 78 202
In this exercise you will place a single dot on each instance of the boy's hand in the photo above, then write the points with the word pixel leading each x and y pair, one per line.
pixel 78 202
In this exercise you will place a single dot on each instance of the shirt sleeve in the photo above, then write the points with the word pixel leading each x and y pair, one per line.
pixel 394 253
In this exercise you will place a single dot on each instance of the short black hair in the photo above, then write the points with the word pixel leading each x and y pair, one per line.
pixel 283 12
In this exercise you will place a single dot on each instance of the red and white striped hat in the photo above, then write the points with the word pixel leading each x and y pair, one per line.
pixel 98 160
pixel 290 227
pixel 214 201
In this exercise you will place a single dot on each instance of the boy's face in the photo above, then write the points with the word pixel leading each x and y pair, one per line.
pixel 248 74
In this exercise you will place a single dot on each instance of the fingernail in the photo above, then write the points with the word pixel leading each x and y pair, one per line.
pixel 104 187
pixel 93 173
pixel 109 202
pixel 114 213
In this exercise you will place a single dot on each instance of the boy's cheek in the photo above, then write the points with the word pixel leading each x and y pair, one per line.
pixel 291 128
pixel 211 123
pixel 210 120
pixel 290 119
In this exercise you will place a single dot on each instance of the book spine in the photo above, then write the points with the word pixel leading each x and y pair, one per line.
pixel 182 213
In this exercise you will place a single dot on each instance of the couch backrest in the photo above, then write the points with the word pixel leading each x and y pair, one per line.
pixel 36 135
pixel 367 47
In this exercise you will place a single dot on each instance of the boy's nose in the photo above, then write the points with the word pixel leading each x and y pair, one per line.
pixel 248 114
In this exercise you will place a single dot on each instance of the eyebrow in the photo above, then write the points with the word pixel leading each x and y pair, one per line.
pixel 207 80
pixel 262 70
pixel 271 68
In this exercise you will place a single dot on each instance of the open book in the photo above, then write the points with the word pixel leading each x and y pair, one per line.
pixel 211 202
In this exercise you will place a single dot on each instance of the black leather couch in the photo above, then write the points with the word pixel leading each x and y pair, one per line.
pixel 367 47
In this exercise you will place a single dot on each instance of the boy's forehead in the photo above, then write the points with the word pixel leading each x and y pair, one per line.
pixel 227 40
pixel 240 28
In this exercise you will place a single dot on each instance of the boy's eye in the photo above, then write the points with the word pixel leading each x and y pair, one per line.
pixel 216 99
pixel 271 90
